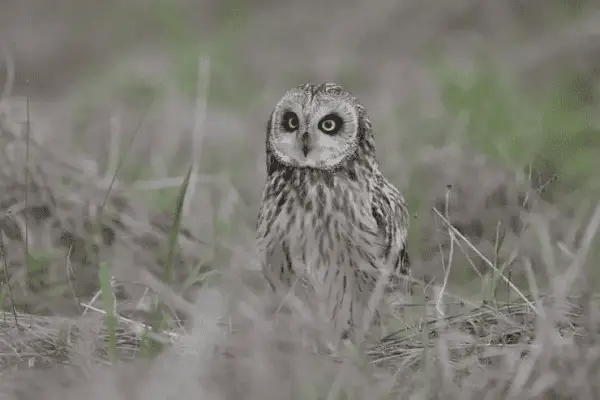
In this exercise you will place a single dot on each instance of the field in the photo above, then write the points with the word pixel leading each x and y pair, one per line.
pixel 132 165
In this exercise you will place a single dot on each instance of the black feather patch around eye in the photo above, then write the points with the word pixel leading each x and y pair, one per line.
pixel 290 121
pixel 331 124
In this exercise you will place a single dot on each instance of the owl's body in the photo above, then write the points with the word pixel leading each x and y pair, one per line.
pixel 329 222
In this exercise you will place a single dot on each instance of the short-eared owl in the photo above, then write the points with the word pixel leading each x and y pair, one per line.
pixel 329 219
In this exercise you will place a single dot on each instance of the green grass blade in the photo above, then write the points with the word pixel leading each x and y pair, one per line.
pixel 109 308
pixel 176 227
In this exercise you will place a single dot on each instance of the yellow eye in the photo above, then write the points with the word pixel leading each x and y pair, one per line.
pixel 331 124
pixel 290 121
pixel 328 125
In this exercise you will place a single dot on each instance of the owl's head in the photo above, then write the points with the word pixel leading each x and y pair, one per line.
pixel 317 126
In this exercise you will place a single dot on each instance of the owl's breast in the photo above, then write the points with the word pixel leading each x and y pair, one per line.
pixel 331 245
pixel 333 230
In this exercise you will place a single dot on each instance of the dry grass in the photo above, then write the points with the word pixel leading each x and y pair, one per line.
pixel 532 346
pixel 129 272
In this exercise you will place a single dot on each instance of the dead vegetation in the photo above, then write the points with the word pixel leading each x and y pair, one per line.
pixel 52 239
pixel 531 346
pixel 505 258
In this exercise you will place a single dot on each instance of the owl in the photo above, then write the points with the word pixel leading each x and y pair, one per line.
pixel 329 221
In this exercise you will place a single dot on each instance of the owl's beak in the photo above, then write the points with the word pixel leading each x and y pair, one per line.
pixel 306 143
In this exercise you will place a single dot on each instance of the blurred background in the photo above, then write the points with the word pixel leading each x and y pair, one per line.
pixel 485 110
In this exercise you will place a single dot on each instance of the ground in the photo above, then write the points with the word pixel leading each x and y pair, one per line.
pixel 133 163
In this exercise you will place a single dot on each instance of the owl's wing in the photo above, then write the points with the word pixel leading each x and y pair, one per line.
pixel 274 255
pixel 389 211
pixel 277 268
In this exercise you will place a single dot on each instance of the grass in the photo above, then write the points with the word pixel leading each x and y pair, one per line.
pixel 501 313
pixel 522 130
pixel 434 352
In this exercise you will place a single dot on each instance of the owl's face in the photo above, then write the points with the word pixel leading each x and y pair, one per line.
pixel 314 126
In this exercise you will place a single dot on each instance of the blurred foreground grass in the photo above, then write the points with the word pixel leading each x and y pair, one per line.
pixel 512 171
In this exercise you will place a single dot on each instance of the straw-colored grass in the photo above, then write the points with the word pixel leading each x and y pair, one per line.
pixel 127 268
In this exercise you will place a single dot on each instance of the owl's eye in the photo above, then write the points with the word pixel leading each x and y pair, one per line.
pixel 331 124
pixel 290 122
